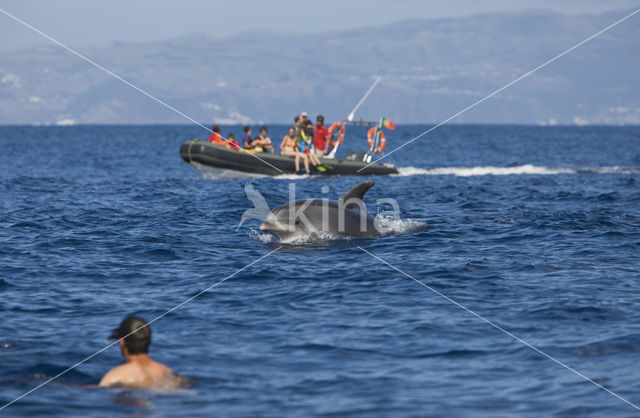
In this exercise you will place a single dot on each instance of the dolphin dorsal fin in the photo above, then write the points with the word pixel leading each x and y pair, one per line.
pixel 358 191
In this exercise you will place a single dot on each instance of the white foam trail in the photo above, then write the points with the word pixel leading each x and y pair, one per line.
pixel 484 171
pixel 614 170
pixel 292 176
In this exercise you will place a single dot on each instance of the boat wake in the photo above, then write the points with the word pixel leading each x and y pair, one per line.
pixel 213 173
pixel 505 171
pixel 292 176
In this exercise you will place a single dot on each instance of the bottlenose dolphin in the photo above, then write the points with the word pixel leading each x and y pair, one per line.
pixel 347 217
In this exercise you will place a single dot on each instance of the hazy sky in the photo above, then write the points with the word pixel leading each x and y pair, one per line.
pixel 83 22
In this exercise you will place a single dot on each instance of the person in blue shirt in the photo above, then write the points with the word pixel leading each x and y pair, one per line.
pixel 246 139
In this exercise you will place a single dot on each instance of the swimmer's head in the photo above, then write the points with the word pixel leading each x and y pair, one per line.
pixel 140 338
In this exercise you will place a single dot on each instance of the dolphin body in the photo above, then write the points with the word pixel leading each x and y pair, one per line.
pixel 347 217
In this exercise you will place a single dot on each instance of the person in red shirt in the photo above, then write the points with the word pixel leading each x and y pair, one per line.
pixel 215 137
pixel 231 142
pixel 321 137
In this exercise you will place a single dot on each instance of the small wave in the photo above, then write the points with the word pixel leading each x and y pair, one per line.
pixel 4 284
pixel 505 171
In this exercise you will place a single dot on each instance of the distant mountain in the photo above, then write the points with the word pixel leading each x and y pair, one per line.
pixel 431 68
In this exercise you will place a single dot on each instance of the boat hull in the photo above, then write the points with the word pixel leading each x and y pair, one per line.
pixel 217 156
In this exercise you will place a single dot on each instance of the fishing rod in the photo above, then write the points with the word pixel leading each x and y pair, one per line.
pixel 332 154
pixel 375 83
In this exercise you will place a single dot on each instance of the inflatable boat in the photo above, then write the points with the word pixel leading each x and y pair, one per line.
pixel 260 163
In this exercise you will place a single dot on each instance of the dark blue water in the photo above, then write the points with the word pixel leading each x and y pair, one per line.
pixel 100 222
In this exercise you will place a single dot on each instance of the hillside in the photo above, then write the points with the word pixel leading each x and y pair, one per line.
pixel 431 69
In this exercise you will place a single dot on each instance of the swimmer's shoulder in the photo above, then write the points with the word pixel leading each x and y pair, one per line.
pixel 116 376
pixel 135 375
pixel 158 369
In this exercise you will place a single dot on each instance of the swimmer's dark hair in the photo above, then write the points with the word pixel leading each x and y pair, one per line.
pixel 216 129
pixel 263 128
pixel 138 342
pixel 231 136
pixel 247 128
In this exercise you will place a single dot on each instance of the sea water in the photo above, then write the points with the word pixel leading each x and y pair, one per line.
pixel 535 230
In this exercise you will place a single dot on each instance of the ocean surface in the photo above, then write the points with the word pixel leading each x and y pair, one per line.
pixel 535 230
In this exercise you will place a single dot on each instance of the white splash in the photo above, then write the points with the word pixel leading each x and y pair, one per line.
pixel 390 226
pixel 307 238
pixel 260 236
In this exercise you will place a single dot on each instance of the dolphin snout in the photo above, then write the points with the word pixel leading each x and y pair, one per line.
pixel 274 227
pixel 268 226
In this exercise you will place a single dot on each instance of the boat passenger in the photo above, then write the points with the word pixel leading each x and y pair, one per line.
pixel 308 132
pixel 321 138
pixel 298 126
pixel 289 146
pixel 262 143
pixel 306 145
pixel 215 137
pixel 246 140
pixel 231 142
pixel 304 118
pixel 313 157
pixel 139 370
pixel 255 147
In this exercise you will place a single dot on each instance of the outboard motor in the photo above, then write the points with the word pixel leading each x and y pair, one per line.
pixel 358 156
